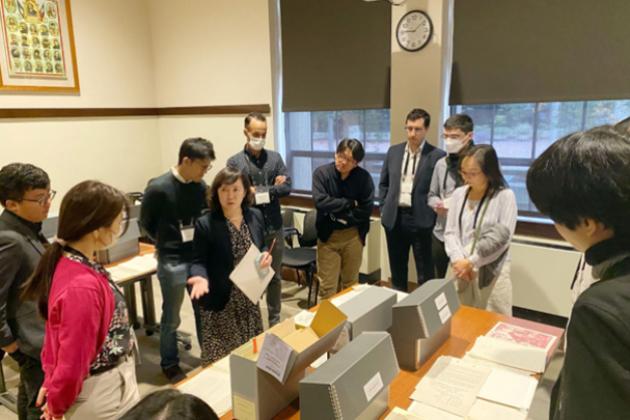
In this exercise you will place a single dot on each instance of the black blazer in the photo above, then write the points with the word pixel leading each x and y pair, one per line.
pixel 389 185
pixel 212 253
pixel 20 252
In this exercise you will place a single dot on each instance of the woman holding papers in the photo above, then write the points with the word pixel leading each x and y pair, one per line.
pixel 222 238
pixel 479 227
pixel 87 358
pixel 582 183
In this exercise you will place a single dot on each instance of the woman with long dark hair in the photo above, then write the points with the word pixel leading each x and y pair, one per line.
pixel 222 237
pixel 87 356
pixel 479 228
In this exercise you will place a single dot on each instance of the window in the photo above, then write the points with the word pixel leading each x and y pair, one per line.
pixel 521 132
pixel 311 140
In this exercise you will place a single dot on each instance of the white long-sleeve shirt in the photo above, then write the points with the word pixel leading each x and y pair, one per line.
pixel 501 209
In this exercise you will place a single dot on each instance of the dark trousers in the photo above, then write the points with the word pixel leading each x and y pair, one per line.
pixel 440 259
pixel 403 236
pixel 31 379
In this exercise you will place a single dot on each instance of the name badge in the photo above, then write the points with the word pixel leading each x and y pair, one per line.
pixel 187 234
pixel 262 196
pixel 407 187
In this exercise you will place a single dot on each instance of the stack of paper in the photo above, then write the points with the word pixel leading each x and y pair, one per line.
pixel 456 389
pixel 135 267
pixel 521 335
pixel 508 353
pixel 212 385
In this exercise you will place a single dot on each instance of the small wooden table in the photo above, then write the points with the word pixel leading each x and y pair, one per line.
pixel 146 290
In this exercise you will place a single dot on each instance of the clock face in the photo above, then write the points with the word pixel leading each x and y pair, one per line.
pixel 414 30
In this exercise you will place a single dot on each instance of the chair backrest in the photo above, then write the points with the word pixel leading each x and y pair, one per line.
pixel 309 232
pixel 287 218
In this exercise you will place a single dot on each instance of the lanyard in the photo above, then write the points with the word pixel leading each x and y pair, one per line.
pixel 413 168
pixel 482 204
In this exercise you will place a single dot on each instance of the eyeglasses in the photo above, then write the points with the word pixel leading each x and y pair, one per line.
pixel 452 136
pixel 42 201
pixel 344 159
pixel 470 174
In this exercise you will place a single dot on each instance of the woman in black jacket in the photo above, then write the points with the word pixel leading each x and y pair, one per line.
pixel 222 237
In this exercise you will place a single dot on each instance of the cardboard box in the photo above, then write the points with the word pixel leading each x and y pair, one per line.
pixel 371 310
pixel 354 383
pixel 256 394
pixel 421 322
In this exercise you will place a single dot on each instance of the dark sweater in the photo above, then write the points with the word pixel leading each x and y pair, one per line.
pixel 169 204
pixel 263 171
pixel 595 379
pixel 335 200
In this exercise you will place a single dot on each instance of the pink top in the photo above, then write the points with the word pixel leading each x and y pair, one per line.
pixel 80 309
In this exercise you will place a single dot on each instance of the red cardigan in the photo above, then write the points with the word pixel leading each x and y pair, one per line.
pixel 80 309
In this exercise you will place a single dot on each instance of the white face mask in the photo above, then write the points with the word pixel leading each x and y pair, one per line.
pixel 453 145
pixel 257 143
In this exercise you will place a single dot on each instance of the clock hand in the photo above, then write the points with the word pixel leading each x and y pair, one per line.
pixel 413 30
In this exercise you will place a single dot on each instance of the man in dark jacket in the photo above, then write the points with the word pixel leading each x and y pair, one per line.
pixel 270 181
pixel 403 188
pixel 581 183
pixel 25 195
pixel 344 196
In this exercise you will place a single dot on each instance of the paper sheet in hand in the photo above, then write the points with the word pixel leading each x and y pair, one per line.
pixel 274 357
pixel 212 385
pixel 451 385
pixel 509 388
pixel 249 278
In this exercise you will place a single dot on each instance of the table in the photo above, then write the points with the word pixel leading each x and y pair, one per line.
pixel 467 324
pixel 146 290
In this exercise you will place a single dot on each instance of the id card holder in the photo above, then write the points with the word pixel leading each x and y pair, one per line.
pixel 262 195
pixel 188 232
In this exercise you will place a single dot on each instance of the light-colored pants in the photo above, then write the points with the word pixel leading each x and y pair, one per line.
pixel 107 395
pixel 339 258
pixel 496 297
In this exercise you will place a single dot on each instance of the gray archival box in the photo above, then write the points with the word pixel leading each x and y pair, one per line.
pixel 421 322
pixel 354 383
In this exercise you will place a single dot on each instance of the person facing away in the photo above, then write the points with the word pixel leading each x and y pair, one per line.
pixel 170 404
pixel 581 183
pixel 343 193
pixel 222 238
pixel 479 229
pixel 403 189
pixel 270 181
pixel 171 204
pixel 88 354
pixel 26 196
pixel 458 138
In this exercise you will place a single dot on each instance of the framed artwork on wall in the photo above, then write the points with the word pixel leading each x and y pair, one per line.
pixel 37 47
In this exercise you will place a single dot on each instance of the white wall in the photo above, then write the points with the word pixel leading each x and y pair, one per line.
pixel 210 53
pixel 115 70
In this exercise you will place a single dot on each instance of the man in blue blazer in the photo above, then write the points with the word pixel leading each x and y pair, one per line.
pixel 403 189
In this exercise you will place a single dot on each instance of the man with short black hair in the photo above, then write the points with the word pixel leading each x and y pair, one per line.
pixel 171 204
pixel 581 183
pixel 25 195
pixel 403 188
pixel 458 138
pixel 270 181
pixel 344 197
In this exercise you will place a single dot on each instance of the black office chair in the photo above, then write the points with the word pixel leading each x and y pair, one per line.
pixel 304 257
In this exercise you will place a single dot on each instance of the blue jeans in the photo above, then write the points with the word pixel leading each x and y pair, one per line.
pixel 172 275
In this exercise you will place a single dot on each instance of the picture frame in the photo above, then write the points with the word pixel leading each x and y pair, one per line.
pixel 37 52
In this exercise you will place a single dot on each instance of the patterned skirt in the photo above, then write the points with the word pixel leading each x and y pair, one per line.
pixel 223 331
